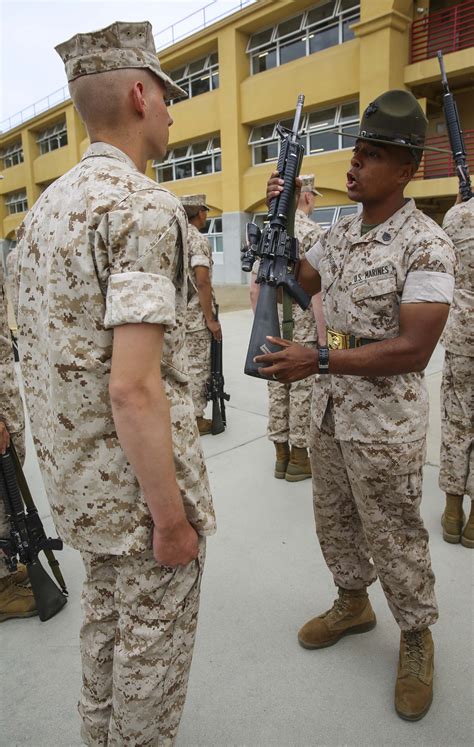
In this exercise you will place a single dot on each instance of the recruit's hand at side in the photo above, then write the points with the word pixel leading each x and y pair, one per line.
pixel 292 363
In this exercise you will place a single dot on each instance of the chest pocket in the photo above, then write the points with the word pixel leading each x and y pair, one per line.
pixel 374 288
pixel 376 307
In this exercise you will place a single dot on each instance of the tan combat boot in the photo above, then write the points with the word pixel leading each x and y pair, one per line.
pixel 15 600
pixel 299 467
pixel 467 538
pixel 204 426
pixel 414 688
pixel 452 518
pixel 20 576
pixel 350 613
pixel 282 458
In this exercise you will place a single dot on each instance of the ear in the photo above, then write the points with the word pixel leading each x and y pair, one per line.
pixel 138 98
pixel 406 172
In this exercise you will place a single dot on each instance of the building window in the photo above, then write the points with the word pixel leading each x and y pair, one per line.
pixel 325 217
pixel 191 160
pixel 213 231
pixel 52 138
pixel 199 76
pixel 16 202
pixel 315 29
pixel 319 132
pixel 12 155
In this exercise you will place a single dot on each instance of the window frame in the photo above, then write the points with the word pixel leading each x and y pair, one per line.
pixel 210 70
pixel 212 151
pixel 338 209
pixel 14 153
pixel 16 202
pixel 213 236
pixel 55 133
pixel 337 123
pixel 305 33
pixel 260 218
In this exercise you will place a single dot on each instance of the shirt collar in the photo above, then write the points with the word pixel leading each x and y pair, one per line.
pixel 383 233
pixel 105 150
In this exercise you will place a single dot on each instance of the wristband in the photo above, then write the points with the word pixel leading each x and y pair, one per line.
pixel 323 359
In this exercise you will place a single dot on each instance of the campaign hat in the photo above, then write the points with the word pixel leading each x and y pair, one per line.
pixel 395 118
pixel 123 44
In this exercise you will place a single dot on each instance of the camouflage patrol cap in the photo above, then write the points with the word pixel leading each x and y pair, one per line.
pixel 395 118
pixel 307 184
pixel 123 44
pixel 194 201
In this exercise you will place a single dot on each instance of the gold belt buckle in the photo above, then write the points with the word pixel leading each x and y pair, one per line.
pixel 337 340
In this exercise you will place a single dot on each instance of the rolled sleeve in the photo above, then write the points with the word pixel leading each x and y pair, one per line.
pixel 423 286
pixel 137 297
pixel 200 260
pixel 314 255
pixel 430 277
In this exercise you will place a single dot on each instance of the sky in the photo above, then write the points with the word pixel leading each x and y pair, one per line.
pixel 30 29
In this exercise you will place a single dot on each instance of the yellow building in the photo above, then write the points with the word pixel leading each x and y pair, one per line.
pixel 243 74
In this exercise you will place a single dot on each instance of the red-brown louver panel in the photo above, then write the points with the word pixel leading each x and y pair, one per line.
pixel 449 30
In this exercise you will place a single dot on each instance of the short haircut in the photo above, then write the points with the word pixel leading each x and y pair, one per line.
pixel 192 211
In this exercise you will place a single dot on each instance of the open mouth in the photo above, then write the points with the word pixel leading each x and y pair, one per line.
pixel 351 180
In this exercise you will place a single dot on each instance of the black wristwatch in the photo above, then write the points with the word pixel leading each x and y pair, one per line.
pixel 323 358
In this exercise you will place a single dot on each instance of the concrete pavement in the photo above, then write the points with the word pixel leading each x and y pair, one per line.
pixel 251 685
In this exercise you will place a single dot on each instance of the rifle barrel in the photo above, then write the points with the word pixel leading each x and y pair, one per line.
pixel 298 113
pixel 444 77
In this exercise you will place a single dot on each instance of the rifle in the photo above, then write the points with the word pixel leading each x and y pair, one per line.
pixel 215 386
pixel 276 248
pixel 28 538
pixel 456 138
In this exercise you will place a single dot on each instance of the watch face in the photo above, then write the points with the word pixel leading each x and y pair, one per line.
pixel 323 359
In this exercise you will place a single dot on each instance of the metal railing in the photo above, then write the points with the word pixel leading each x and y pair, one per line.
pixel 57 97
pixel 449 29
pixel 192 23
pixel 439 165
pixel 196 21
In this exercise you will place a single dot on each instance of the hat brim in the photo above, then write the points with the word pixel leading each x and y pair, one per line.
pixel 392 142
pixel 173 91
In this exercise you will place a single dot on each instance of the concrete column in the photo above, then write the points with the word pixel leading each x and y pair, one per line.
pixel 384 46
pixel 75 135
pixel 30 153
pixel 236 156
pixel 236 159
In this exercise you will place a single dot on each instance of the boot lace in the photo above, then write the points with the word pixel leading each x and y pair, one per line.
pixel 338 608
pixel 414 651
pixel 340 604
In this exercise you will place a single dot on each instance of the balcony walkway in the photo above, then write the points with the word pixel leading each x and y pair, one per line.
pixel 251 684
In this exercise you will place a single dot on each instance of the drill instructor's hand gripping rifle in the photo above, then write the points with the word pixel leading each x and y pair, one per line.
pixel 276 248
pixel 455 136
pixel 28 538
pixel 215 386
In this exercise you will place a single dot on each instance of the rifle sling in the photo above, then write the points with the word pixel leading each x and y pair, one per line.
pixel 287 324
